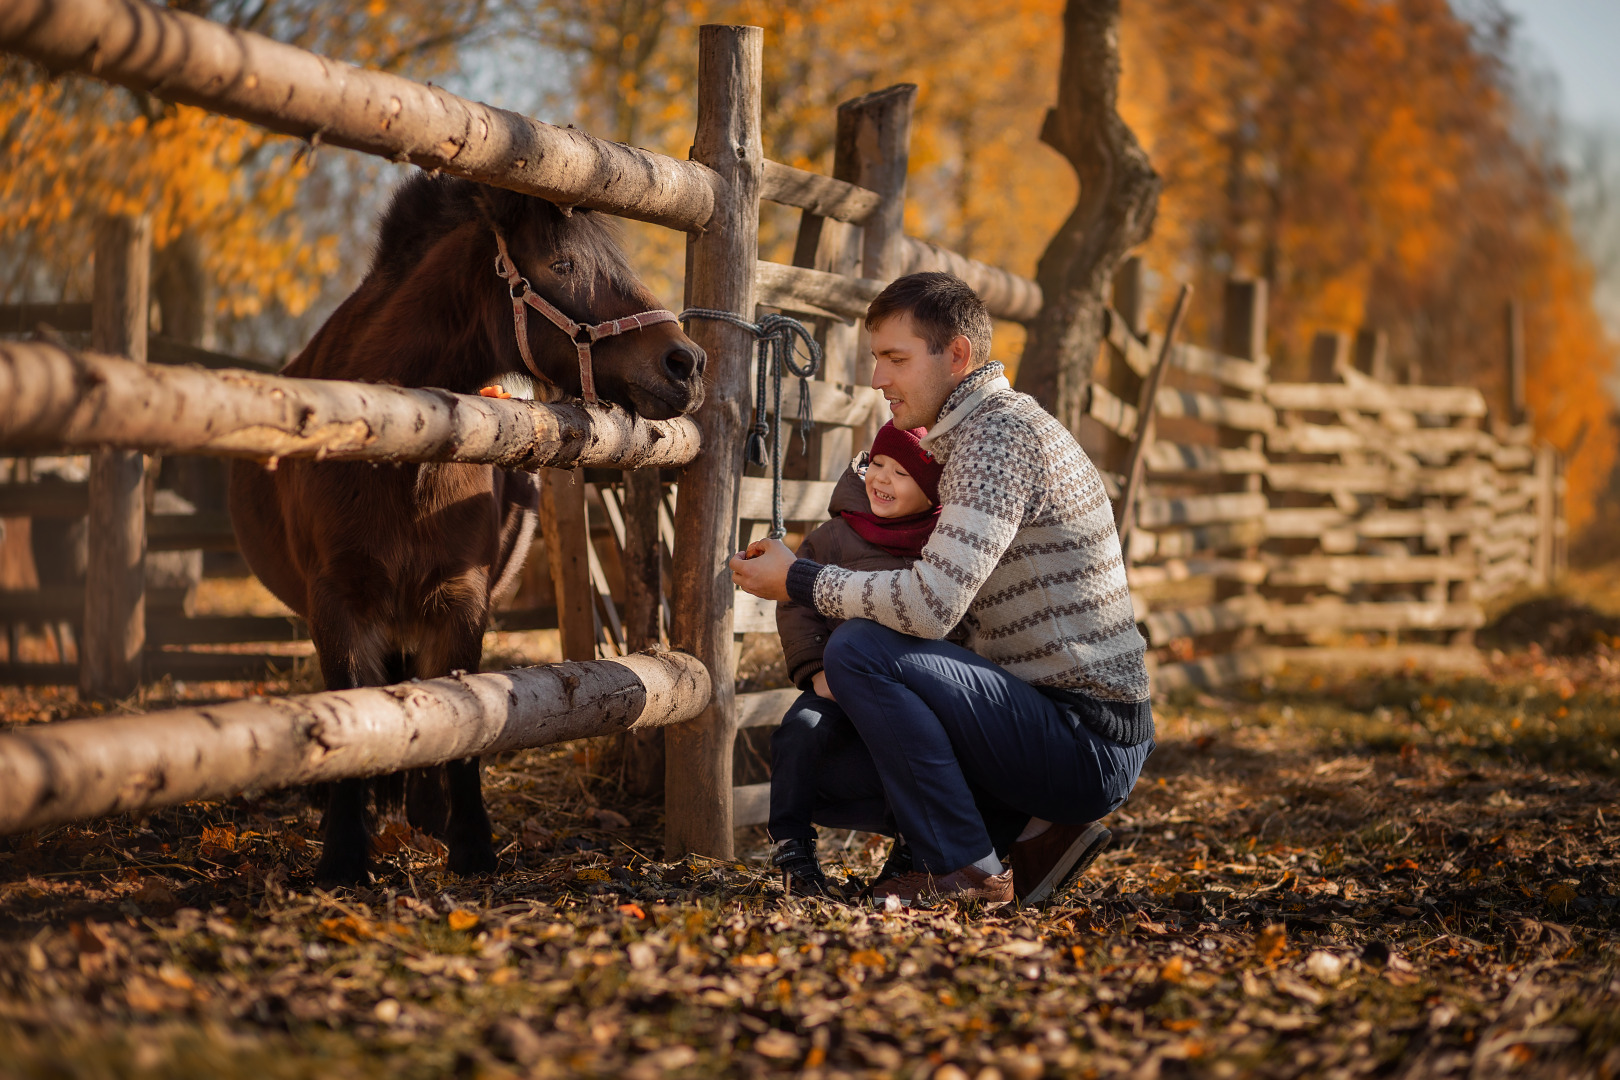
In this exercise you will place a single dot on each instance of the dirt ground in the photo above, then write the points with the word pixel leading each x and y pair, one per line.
pixel 1356 875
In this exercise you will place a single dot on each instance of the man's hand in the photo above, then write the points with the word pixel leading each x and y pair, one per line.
pixel 818 683
pixel 762 569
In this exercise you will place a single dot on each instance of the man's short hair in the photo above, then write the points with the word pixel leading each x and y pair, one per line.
pixel 941 306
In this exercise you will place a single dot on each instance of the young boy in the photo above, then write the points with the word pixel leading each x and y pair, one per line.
pixel 882 515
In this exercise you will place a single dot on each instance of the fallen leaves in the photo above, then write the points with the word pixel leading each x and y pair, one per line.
pixel 1244 912
pixel 1270 943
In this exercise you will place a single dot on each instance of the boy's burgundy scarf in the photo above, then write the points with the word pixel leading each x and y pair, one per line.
pixel 904 536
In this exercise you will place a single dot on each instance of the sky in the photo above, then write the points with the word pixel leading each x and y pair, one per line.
pixel 1577 39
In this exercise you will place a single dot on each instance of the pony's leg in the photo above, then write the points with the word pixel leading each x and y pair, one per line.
pixel 350 656
pixel 426 807
pixel 459 646
pixel 468 835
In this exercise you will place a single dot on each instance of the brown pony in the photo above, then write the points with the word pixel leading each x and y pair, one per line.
pixel 396 567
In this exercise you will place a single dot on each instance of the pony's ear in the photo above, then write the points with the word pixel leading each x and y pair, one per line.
pixel 500 209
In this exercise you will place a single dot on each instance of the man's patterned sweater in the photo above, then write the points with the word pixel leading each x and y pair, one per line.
pixel 1025 549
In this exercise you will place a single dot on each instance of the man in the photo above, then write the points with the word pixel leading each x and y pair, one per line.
pixel 1017 744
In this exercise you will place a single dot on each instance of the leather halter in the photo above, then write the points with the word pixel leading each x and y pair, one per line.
pixel 582 335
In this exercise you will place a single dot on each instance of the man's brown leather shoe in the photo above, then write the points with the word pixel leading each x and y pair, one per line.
pixel 1045 865
pixel 968 883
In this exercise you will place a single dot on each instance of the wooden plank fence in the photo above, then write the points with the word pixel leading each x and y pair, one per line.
pixel 1344 519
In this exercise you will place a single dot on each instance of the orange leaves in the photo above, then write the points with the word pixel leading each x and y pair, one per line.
pixel 1369 161
pixel 1270 943
pixel 218 839
pixel 869 958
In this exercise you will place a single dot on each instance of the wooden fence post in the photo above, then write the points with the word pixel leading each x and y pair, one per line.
pixel 1546 487
pixel 1518 410
pixel 874 145
pixel 1117 375
pixel 563 524
pixel 1243 335
pixel 642 561
pixel 1330 355
pixel 115 575
pixel 1372 353
pixel 719 274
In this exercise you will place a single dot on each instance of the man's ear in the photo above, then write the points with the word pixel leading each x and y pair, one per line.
pixel 961 350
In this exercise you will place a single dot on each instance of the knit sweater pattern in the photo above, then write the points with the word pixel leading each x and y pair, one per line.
pixel 1025 550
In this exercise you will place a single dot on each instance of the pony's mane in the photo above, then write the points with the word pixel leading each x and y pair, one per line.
pixel 428 207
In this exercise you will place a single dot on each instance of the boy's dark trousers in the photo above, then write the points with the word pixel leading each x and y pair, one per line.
pixel 821 773
pixel 934 741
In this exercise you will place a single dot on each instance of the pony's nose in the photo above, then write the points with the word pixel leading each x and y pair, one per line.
pixel 683 362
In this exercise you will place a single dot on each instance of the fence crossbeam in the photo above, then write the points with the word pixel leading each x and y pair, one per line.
pixel 53 399
pixel 78 769
pixel 190 60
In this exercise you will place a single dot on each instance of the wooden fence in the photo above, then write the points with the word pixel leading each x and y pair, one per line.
pixel 1276 515
pixel 1345 520
pixel 851 243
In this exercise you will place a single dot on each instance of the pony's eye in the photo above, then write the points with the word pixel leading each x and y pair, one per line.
pixel 563 266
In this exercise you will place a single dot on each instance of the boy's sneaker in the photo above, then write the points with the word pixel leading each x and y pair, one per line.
pixel 1046 865
pixel 801 871
pixel 898 864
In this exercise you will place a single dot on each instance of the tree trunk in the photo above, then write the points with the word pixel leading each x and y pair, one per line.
pixel 53 773
pixel 1119 193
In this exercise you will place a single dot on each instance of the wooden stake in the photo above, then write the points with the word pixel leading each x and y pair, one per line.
pixel 562 519
pixel 719 274
pixel 874 149
pixel 1517 403
pixel 115 576
pixel 1145 412
pixel 1330 355
pixel 642 560
pixel 1243 335
pixel 1546 487
pixel 1372 353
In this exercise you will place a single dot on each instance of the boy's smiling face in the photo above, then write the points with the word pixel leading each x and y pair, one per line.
pixel 892 491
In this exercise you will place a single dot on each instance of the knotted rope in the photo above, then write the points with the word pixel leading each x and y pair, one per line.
pixel 776 353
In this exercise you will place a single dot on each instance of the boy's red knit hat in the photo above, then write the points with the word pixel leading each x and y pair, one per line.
pixel 905 447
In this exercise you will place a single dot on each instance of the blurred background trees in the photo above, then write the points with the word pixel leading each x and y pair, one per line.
pixel 1379 161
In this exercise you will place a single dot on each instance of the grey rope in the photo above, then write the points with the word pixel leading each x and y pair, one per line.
pixel 776 353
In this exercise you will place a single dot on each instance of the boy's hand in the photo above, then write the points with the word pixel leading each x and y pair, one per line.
pixel 762 569
pixel 818 683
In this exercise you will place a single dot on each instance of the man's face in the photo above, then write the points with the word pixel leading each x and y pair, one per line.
pixel 915 382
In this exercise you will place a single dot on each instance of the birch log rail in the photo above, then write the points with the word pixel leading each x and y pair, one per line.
pixel 79 769
pixel 190 60
pixel 54 399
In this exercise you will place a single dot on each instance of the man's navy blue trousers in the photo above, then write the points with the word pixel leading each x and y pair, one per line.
pixel 941 745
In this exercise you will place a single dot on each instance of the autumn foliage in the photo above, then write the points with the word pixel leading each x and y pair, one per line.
pixel 1370 160
pixel 1368 157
